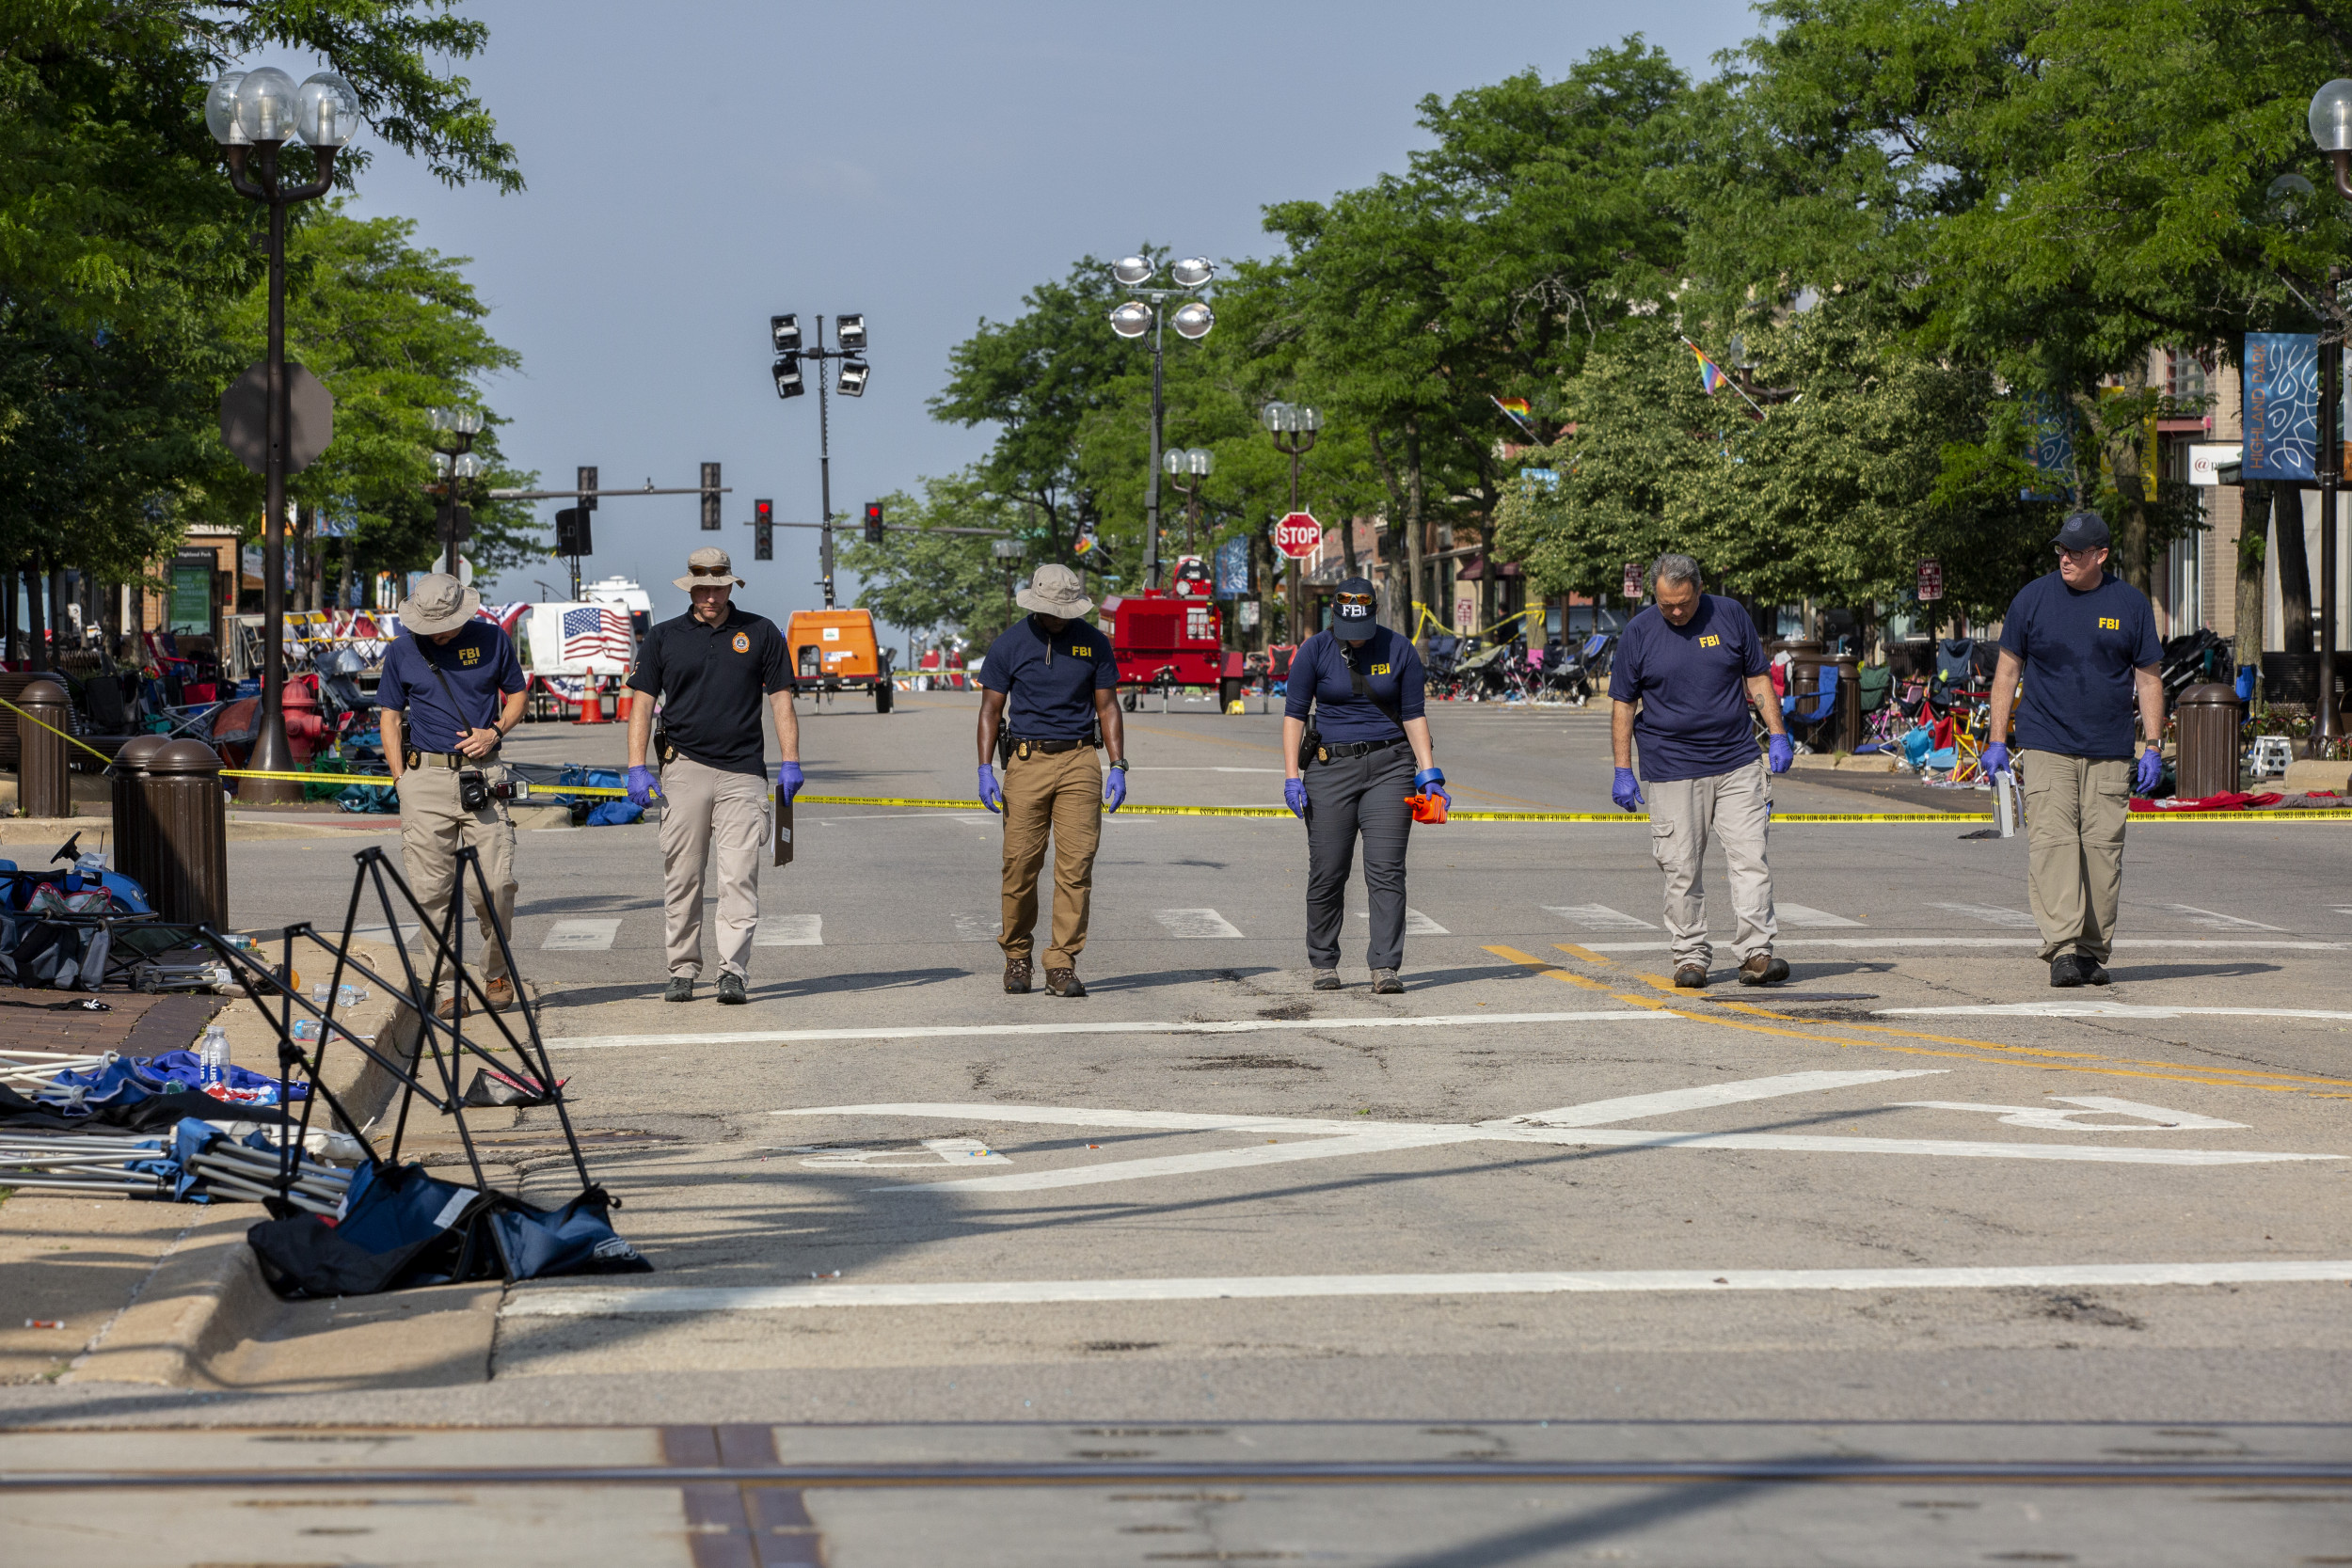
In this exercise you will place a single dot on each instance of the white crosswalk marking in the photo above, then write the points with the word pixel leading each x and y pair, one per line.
pixel 582 936
pixel 1416 923
pixel 978 927
pixel 789 930
pixel 2215 920
pixel 1805 914
pixel 1196 922
pixel 1991 914
pixel 1597 917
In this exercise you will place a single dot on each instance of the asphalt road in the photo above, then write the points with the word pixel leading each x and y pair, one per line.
pixel 1913 1205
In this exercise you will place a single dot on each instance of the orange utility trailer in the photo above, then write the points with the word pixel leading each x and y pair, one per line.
pixel 836 650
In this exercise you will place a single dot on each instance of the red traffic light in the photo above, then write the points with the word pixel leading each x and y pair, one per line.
pixel 873 522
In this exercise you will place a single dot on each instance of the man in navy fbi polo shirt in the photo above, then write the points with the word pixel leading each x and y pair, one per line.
pixel 1686 669
pixel 452 690
pixel 2084 641
pixel 1048 691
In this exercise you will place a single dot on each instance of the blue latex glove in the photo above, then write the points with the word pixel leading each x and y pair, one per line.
pixel 1295 797
pixel 643 789
pixel 2151 771
pixel 1997 758
pixel 990 797
pixel 2245 681
pixel 789 780
pixel 1627 791
pixel 1115 790
pixel 1430 781
pixel 1780 752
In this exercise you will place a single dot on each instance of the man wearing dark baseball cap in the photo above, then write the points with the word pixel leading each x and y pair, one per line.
pixel 1351 774
pixel 2084 643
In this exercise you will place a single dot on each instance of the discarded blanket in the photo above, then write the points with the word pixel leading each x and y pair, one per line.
pixel 2229 800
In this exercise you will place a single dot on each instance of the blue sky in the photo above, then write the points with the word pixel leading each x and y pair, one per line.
pixel 697 166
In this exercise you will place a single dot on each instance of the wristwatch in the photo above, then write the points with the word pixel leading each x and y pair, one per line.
pixel 1120 765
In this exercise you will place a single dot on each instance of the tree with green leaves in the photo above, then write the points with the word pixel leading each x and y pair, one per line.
pixel 943 583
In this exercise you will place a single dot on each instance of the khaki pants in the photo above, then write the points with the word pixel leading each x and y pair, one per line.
pixel 2075 808
pixel 709 814
pixel 1684 813
pixel 434 827
pixel 1064 793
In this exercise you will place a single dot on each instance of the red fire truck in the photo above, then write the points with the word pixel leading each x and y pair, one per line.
pixel 1166 638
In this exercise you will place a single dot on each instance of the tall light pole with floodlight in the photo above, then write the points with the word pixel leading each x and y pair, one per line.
pixel 254 115
pixel 2331 128
pixel 1192 320
pixel 1294 427
pixel 784 332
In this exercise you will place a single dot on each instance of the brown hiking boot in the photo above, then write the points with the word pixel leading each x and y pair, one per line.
pixel 501 993
pixel 1017 972
pixel 1064 982
pixel 1763 970
pixel 1690 977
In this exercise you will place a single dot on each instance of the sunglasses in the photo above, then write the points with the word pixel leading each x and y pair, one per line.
pixel 1362 601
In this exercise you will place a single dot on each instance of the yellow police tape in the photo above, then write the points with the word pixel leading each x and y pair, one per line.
pixel 1134 808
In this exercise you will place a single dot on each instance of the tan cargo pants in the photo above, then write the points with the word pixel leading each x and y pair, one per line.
pixel 434 827
pixel 711 814
pixel 2075 809
pixel 1735 808
pixel 1063 792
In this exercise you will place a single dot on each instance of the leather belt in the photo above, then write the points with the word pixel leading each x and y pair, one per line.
pixel 1049 748
pixel 1358 748
pixel 452 760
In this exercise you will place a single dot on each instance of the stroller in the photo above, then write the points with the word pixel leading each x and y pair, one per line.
pixel 1575 673
pixel 1439 661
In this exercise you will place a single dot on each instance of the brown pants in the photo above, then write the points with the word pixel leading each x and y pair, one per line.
pixel 433 826
pixel 2075 808
pixel 1063 792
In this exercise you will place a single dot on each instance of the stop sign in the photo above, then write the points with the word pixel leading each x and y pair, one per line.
pixel 1299 534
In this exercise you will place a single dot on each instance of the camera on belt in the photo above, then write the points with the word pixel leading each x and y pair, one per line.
pixel 475 791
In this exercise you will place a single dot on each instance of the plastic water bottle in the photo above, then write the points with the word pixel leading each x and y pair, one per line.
pixel 213 1058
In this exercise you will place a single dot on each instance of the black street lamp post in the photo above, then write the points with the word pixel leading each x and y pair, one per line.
pixel 1294 427
pixel 784 332
pixel 253 115
pixel 2331 128
pixel 458 467
pixel 1192 320
pixel 1199 462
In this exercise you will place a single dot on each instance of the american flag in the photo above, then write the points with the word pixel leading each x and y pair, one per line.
pixel 595 631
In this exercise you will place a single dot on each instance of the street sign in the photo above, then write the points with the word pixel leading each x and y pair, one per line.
pixel 245 417
pixel 1632 579
pixel 1298 536
pixel 1931 582
pixel 2205 462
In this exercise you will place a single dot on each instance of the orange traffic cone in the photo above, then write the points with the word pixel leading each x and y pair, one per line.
pixel 591 702
pixel 622 697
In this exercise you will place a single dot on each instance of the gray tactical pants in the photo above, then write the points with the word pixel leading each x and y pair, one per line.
pixel 1348 797
pixel 1733 808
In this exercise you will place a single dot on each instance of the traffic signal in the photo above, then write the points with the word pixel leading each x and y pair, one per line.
pixel 873 523
pixel 786 369
pixel 710 498
pixel 586 481
pixel 763 530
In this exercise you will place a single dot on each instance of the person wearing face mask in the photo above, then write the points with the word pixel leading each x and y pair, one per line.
pixel 1048 690
pixel 1685 672
pixel 1354 778
pixel 2084 642
pixel 711 668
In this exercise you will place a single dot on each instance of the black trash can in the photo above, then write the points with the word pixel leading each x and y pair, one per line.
pixel 2207 721
pixel 43 785
pixel 188 822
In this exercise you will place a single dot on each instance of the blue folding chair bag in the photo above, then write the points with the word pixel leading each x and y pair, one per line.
pixel 578 1238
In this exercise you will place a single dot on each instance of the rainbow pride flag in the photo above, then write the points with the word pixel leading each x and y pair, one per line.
pixel 1711 375
pixel 1519 411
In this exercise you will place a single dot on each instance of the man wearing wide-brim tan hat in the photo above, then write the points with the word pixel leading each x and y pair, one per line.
pixel 452 691
pixel 1048 690
pixel 710 668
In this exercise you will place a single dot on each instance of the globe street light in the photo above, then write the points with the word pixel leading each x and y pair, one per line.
pixel 1192 320
pixel 253 115
pixel 1294 427
pixel 2331 128
pixel 1199 462
pixel 457 464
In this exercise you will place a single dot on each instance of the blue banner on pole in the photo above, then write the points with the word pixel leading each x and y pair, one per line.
pixel 2050 428
pixel 2282 405
pixel 1232 569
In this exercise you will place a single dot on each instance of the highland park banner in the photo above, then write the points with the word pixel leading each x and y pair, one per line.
pixel 2282 413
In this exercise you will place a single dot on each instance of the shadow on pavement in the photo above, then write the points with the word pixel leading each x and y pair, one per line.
pixel 1160 978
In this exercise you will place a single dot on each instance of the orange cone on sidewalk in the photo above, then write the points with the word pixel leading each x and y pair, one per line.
pixel 591 702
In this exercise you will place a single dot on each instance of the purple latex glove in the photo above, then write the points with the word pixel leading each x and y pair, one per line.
pixel 991 795
pixel 1430 781
pixel 643 788
pixel 1780 752
pixel 1115 790
pixel 789 780
pixel 2150 771
pixel 1626 790
pixel 1295 797
pixel 1997 758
